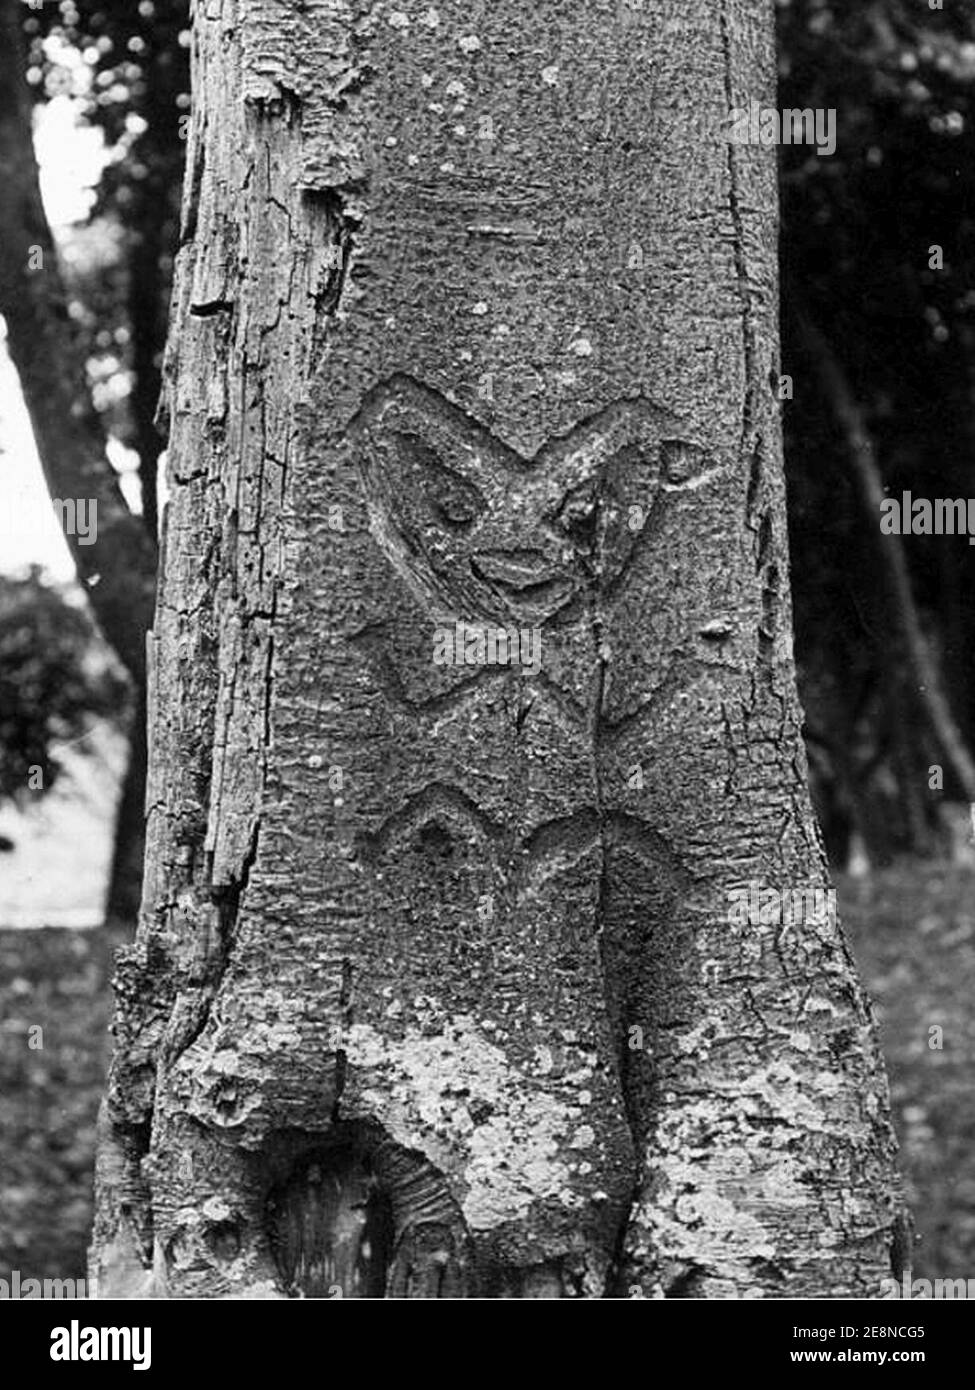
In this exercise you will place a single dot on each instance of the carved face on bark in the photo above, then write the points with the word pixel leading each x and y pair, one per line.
pixel 478 531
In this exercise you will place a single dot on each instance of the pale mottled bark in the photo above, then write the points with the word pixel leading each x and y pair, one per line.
pixel 476 277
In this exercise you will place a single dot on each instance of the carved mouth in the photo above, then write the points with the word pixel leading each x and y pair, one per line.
pixel 515 569
pixel 522 576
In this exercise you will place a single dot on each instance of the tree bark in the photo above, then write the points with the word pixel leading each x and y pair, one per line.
pixel 437 990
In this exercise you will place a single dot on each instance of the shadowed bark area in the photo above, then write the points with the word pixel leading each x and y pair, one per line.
pixel 128 847
pixel 436 956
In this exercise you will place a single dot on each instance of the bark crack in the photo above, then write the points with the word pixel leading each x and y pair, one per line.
pixel 738 225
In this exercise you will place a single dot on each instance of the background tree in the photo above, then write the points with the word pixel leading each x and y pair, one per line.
pixel 78 333
pixel 125 66
pixel 51 366
pixel 877 254
pixel 436 988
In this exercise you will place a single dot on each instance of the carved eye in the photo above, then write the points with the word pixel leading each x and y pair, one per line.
pixel 433 839
pixel 454 506
pixel 455 503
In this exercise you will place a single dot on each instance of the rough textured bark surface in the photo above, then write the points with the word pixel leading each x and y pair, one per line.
pixel 435 990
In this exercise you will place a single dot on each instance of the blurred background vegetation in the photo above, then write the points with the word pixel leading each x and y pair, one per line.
pixel 880 348
pixel 52 683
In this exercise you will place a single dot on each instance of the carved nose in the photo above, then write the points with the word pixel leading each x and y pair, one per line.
pixel 516 569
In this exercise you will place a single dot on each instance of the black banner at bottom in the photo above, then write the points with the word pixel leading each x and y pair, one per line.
pixel 164 1339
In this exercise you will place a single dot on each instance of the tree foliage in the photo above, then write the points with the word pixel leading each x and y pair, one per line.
pixel 53 683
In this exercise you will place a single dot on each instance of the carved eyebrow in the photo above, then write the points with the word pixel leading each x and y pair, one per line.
pixel 580 449
pixel 402 407
pixel 437 801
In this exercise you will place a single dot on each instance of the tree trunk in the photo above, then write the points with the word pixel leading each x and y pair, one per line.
pixel 438 988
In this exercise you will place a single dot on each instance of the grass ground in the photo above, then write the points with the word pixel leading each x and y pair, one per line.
pixel 49 1097
pixel 913 929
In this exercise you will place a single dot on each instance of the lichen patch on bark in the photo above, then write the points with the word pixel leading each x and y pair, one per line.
pixel 451 1094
